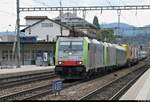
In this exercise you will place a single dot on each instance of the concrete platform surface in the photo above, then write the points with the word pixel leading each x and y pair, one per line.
pixel 27 69
pixel 140 90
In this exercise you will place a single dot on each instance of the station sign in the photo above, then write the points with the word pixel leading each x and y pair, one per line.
pixel 45 56
pixel 28 39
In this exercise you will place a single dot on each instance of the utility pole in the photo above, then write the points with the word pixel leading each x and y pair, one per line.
pixel 60 19
pixel 119 13
pixel 18 35
pixel 84 16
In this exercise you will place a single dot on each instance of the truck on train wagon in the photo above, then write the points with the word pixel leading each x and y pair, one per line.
pixel 132 54
pixel 80 57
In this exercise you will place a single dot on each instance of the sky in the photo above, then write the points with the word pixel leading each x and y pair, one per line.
pixel 137 18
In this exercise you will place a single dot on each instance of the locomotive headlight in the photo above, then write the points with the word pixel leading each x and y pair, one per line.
pixel 80 62
pixel 59 62
pixel 70 53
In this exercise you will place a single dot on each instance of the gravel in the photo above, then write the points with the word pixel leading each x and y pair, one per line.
pixel 76 92
pixel 110 90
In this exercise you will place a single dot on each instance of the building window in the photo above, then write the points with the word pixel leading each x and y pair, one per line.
pixel 27 55
pixel 47 24
pixel 29 30
pixel 33 54
pixel 5 55
pixel 11 55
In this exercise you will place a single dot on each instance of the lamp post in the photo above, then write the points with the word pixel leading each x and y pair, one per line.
pixel 18 35
pixel 61 32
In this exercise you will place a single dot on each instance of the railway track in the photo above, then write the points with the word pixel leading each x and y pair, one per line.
pixel 44 93
pixel 116 88
pixel 24 79
pixel 42 90
pixel 33 93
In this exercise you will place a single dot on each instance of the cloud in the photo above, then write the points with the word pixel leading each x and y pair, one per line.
pixel 8 11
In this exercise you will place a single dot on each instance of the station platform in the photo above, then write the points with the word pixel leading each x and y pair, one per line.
pixel 140 90
pixel 27 69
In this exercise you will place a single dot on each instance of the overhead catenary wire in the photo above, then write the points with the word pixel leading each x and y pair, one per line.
pixel 119 14
pixel 41 2
pixel 109 3
pixel 123 2
pixel 25 3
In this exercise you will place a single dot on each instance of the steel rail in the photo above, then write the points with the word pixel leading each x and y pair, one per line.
pixel 126 87
pixel 14 83
pixel 33 93
pixel 13 96
pixel 105 86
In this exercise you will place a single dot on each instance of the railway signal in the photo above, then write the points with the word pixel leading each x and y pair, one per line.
pixel 57 86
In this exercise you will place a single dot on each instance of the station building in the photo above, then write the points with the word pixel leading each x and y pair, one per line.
pixel 72 20
pixel 37 41
pixel 44 29
pixel 31 53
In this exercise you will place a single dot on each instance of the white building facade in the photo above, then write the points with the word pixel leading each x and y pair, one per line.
pixel 45 29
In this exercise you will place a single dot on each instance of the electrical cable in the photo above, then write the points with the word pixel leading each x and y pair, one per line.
pixel 40 2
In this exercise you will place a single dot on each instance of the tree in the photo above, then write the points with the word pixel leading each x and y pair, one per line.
pixel 95 22
pixel 106 35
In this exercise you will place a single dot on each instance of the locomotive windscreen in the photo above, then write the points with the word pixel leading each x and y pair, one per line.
pixel 70 50
pixel 71 46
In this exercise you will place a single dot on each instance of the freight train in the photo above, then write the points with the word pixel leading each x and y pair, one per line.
pixel 81 57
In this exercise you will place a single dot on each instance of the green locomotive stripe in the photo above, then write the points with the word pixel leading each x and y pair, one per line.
pixel 56 53
pixel 103 55
pixel 108 57
pixel 85 51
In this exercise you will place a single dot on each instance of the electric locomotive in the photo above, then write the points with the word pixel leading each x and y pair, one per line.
pixel 69 57
pixel 80 57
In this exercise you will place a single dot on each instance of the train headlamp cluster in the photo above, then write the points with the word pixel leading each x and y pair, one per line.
pixel 80 62
pixel 60 62
pixel 77 62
